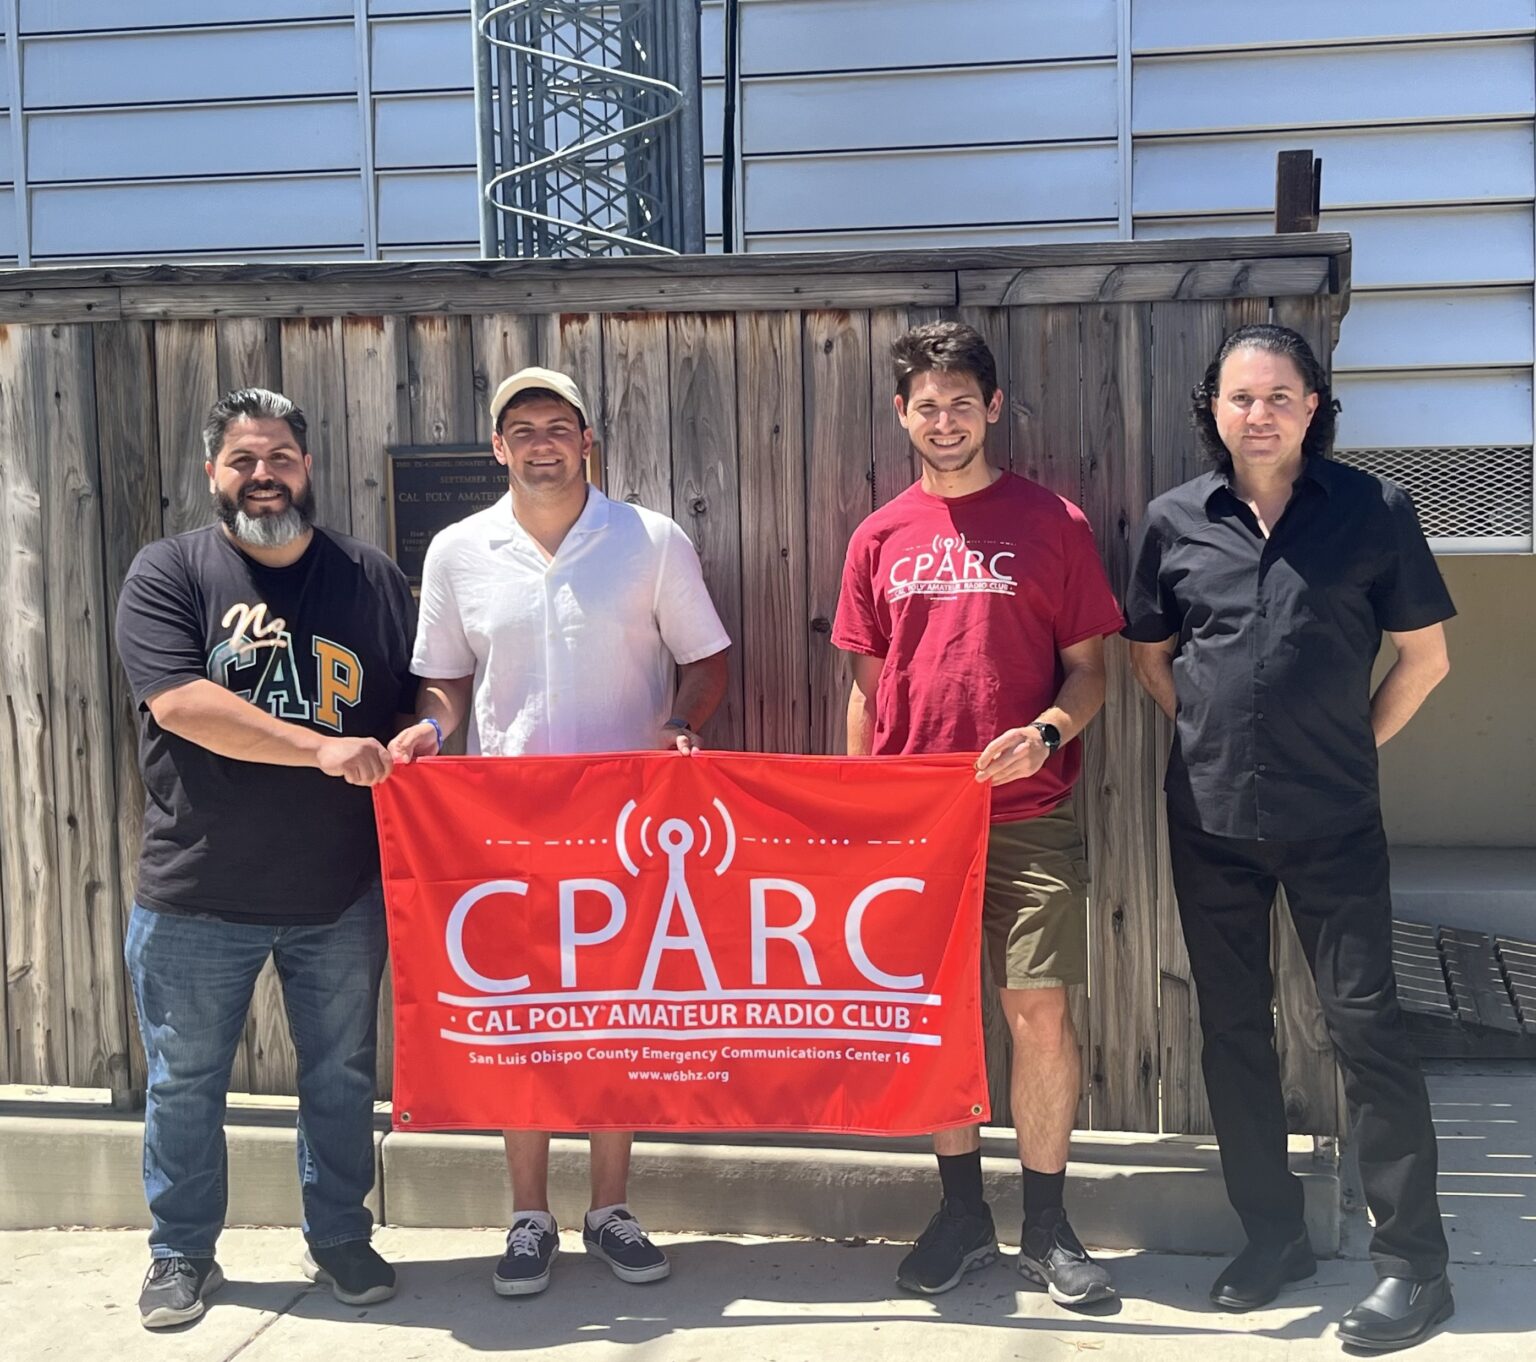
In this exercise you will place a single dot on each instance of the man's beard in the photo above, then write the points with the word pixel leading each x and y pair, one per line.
pixel 271 530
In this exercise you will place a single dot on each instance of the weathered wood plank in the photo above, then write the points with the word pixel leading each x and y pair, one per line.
pixel 378 415
pixel 34 307
pixel 771 432
pixel 130 506
pixel 35 999
pixel 442 378
pixel 638 459
pixel 594 293
pixel 680 267
pixel 1308 1074
pixel 1118 790
pixel 90 901
pixel 271 1063
pixel 375 358
pixel 1313 318
pixel 1144 283
pixel 249 353
pixel 838 452
pixel 894 465
pixel 501 344
pixel 314 376
pixel 706 492
pixel 572 343
pixel 186 386
pixel 1184 338
pixel 1245 312
pixel 1044 397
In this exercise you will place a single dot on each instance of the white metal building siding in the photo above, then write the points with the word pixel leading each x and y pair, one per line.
pixel 248 129
pixel 180 129
pixel 873 123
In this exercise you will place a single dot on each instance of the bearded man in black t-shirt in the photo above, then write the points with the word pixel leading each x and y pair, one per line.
pixel 270 662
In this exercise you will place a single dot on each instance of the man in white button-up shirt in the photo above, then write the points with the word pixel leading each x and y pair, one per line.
pixel 555 621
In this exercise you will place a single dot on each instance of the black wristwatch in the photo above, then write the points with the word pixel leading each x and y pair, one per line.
pixel 682 725
pixel 1050 735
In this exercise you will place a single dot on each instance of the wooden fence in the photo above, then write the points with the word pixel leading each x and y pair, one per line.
pixel 747 397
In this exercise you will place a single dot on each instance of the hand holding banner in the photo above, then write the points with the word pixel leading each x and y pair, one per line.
pixel 650 941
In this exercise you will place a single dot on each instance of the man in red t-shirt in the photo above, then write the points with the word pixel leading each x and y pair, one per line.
pixel 975 607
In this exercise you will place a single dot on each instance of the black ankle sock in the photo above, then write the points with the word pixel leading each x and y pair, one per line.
pixel 961 1176
pixel 1042 1193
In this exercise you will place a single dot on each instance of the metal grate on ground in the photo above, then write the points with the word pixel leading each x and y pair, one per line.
pixel 1462 491
pixel 1466 995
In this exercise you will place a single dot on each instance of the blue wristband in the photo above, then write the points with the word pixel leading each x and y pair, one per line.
pixel 438 729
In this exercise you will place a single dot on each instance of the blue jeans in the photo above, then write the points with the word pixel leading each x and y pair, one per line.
pixel 192 981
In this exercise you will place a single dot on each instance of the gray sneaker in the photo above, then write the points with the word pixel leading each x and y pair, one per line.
pixel 1052 1256
pixel 174 1289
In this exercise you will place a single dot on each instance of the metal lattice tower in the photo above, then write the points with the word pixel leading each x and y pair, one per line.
pixel 588 127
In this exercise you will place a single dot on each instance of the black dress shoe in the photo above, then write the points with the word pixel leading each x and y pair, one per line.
pixel 1398 1313
pixel 1255 1276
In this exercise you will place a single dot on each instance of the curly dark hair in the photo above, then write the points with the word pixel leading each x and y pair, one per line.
pixel 951 347
pixel 1277 340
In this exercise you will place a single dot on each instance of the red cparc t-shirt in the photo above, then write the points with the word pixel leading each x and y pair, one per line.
pixel 970 600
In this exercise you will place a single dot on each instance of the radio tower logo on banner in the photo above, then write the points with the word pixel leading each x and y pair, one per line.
pixel 676 840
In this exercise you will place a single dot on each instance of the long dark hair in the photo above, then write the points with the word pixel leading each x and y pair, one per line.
pixel 1276 340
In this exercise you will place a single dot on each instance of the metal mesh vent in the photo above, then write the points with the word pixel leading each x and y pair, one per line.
pixel 1461 491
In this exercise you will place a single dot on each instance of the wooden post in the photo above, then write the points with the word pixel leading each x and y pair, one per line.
pixel 839 494
pixel 1298 191
pixel 706 487
pixel 771 429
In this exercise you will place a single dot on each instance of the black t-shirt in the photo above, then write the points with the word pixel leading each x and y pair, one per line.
pixel 1276 641
pixel 324 643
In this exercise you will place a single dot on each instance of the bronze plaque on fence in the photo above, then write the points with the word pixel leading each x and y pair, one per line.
pixel 430 487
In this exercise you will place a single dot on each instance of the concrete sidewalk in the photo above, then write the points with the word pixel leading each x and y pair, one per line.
pixel 72 1294
pixel 66 1296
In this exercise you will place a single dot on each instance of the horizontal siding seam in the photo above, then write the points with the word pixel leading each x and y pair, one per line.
pixel 1502 35
pixel 159 30
pixel 841 153
pixel 1257 130
pixel 918 72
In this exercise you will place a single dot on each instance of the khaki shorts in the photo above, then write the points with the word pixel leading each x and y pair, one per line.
pixel 1035 912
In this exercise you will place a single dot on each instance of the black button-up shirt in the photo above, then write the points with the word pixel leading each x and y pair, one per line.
pixel 1277 639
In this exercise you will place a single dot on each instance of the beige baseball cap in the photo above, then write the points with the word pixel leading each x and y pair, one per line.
pixel 562 385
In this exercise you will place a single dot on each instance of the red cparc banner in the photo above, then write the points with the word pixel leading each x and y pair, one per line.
pixel 658 942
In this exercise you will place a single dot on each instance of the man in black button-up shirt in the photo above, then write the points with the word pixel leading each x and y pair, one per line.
pixel 1258 597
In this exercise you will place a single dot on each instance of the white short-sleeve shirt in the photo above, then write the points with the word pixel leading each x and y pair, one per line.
pixel 570 654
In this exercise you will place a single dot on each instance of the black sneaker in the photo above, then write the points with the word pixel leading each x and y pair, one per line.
pixel 174 1289
pixel 956 1241
pixel 620 1242
pixel 1052 1256
pixel 353 1271
pixel 533 1244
